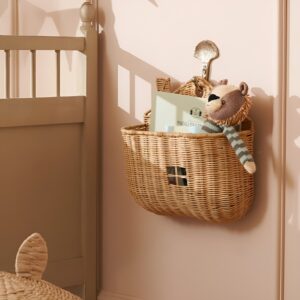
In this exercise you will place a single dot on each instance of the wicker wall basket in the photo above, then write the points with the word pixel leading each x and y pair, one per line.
pixel 196 175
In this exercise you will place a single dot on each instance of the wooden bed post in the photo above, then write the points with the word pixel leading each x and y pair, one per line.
pixel 90 149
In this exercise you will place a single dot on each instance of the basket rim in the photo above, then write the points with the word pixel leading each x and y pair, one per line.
pixel 134 130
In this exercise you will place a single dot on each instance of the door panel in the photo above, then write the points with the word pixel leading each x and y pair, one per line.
pixel 40 191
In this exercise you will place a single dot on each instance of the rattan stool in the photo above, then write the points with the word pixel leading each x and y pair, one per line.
pixel 31 262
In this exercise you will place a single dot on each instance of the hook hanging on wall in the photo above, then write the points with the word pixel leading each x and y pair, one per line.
pixel 206 51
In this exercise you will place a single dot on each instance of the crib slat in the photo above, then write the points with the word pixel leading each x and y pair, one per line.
pixel 7 72
pixel 57 73
pixel 33 73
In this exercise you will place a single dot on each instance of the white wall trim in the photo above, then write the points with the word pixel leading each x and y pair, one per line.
pixel 106 295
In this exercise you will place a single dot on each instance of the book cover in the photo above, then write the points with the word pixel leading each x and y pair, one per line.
pixel 177 113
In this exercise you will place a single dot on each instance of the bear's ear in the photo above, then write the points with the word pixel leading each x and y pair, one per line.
pixel 244 88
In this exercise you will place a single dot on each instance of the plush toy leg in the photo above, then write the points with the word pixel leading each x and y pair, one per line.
pixel 250 167
pixel 240 149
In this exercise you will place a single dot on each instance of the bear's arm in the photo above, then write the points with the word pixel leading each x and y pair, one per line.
pixel 238 145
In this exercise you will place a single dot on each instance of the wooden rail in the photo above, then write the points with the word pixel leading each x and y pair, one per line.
pixel 41 111
pixel 41 43
pixel 34 44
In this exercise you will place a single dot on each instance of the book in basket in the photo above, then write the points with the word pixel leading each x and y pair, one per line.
pixel 177 113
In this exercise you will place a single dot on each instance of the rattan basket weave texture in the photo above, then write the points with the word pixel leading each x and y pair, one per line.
pixel 216 187
pixel 26 284
pixel 13 287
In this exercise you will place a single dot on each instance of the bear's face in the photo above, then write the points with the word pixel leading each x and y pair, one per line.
pixel 225 101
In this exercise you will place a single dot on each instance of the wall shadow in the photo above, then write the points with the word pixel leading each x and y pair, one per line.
pixel 3 6
pixel 60 19
pixel 262 106
pixel 133 64
pixel 293 111
pixel 117 204
pixel 292 151
pixel 117 199
pixel 36 15
pixel 65 21
pixel 154 2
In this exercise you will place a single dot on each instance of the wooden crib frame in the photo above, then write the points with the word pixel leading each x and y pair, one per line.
pixel 56 111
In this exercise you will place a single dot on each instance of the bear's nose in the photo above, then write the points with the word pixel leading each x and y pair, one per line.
pixel 213 97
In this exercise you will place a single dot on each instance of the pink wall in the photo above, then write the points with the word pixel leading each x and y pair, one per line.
pixel 51 18
pixel 60 18
pixel 146 256
pixel 5 28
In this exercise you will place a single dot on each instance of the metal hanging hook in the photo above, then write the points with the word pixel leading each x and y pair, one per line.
pixel 206 51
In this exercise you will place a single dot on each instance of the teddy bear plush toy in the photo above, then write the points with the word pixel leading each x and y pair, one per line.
pixel 227 107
